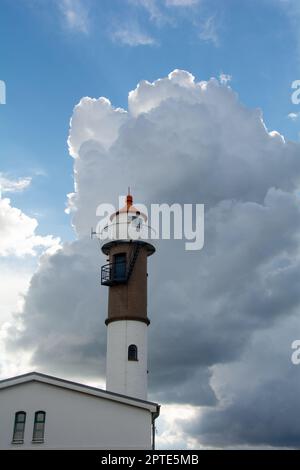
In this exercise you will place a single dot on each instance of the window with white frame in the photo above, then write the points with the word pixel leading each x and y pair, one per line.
pixel 19 427
pixel 39 426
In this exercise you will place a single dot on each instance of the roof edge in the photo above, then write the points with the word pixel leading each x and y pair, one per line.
pixel 77 387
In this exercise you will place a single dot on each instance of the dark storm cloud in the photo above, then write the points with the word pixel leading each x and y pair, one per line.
pixel 264 388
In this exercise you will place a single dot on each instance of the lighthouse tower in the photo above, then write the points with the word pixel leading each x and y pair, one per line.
pixel 127 247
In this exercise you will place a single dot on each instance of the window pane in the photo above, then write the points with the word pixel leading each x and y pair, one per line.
pixel 39 426
pixel 18 436
pixel 120 266
pixel 19 427
pixel 132 352
pixel 40 417
pixel 20 417
pixel 38 435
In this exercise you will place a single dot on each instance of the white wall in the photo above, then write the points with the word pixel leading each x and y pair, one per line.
pixel 123 376
pixel 73 420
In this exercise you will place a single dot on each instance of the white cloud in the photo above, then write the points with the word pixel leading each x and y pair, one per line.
pixel 15 279
pixel 148 96
pixel 75 15
pixel 225 78
pixel 102 123
pixel 151 7
pixel 209 31
pixel 8 185
pixel 131 35
pixel 169 427
pixel 293 116
pixel 17 238
pixel 18 233
pixel 166 12
pixel 181 3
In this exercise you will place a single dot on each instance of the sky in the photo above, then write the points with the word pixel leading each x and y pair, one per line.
pixel 209 120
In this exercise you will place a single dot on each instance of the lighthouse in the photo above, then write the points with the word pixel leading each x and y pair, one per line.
pixel 127 247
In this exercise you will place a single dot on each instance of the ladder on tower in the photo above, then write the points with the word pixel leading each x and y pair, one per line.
pixel 133 259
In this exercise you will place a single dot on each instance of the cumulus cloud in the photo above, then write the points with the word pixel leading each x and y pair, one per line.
pixel 18 232
pixel 225 78
pixel 15 279
pixel 18 238
pixel 181 141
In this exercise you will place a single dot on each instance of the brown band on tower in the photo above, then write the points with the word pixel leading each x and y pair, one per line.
pixel 126 317
pixel 128 300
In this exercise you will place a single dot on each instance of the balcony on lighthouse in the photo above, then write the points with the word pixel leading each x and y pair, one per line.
pixel 115 272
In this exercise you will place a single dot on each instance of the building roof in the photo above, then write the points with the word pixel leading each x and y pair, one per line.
pixel 81 388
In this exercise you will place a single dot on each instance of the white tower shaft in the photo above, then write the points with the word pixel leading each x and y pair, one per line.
pixel 125 376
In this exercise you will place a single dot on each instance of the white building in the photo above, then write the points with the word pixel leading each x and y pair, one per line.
pixel 38 411
pixel 42 412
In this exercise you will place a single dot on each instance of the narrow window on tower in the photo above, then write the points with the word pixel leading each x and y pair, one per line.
pixel 19 427
pixel 119 267
pixel 39 426
pixel 132 352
